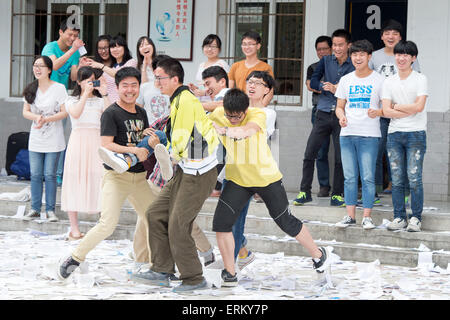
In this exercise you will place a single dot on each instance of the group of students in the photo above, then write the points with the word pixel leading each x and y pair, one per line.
pixel 372 103
pixel 158 142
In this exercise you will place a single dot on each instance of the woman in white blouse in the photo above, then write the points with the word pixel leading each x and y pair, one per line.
pixel 44 105
pixel 211 49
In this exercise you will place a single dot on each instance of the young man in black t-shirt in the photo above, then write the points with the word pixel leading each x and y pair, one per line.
pixel 123 125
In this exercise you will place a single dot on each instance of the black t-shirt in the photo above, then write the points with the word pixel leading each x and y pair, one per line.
pixel 127 128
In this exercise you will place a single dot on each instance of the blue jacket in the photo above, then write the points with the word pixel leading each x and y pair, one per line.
pixel 331 71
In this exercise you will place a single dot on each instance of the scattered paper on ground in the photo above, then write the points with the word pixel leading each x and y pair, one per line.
pixel 28 262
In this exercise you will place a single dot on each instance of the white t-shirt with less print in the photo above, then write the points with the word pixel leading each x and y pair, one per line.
pixel 406 92
pixel 361 94
pixel 49 138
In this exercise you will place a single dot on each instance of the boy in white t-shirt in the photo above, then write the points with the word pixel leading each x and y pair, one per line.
pixel 404 98
pixel 358 110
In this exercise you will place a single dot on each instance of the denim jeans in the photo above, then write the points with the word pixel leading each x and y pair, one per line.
pixel 144 144
pixel 359 156
pixel 323 170
pixel 407 149
pixel 43 166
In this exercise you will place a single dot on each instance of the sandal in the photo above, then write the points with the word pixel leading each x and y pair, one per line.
pixel 70 237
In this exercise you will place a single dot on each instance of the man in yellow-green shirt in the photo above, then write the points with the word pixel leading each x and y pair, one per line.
pixel 194 143
pixel 250 168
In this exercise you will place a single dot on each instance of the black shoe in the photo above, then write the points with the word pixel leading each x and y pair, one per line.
pixel 324 192
pixel 324 261
pixel 67 267
pixel 228 280
pixel 173 277
pixel 213 258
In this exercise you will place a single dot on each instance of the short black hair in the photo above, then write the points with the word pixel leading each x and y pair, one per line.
pixel 342 33
pixel 63 26
pixel 216 72
pixel 252 35
pixel 326 39
pixel 157 59
pixel 406 47
pixel 361 46
pixel 235 101
pixel 264 76
pixel 126 72
pixel 391 24
pixel 172 67
pixel 210 39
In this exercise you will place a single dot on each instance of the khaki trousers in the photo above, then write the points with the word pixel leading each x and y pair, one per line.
pixel 116 188
pixel 140 242
pixel 171 217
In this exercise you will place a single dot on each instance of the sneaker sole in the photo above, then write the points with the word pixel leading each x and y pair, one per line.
pixel 300 203
pixel 109 162
pixel 229 284
pixel 163 157
pixel 161 283
pixel 344 226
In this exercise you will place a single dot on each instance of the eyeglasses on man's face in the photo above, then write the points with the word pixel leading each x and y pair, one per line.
pixel 234 117
pixel 256 83
pixel 158 79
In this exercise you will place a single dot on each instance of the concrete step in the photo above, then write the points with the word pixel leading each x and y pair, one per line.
pixel 259 243
pixel 351 235
pixel 352 252
pixel 433 217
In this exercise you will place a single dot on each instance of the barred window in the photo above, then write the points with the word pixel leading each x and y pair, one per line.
pixel 36 23
pixel 280 24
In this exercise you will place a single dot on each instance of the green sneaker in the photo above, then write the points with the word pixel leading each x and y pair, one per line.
pixel 337 201
pixel 302 198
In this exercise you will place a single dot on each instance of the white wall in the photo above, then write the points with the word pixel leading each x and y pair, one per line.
pixel 137 22
pixel 204 24
pixel 429 28
pixel 5 53
pixel 205 16
pixel 322 17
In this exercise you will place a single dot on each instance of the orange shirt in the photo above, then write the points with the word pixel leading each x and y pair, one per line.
pixel 239 72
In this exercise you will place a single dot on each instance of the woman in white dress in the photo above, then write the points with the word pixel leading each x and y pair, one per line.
pixel 83 167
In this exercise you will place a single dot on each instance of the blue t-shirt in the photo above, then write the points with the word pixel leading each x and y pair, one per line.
pixel 62 74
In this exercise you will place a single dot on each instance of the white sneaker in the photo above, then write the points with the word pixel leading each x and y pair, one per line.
pixel 397 224
pixel 414 225
pixel 51 217
pixel 32 214
pixel 367 223
pixel 163 158
pixel 114 160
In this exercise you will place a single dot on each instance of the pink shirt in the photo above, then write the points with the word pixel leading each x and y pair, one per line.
pixel 113 94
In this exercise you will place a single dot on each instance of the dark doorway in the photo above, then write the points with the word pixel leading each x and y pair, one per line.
pixel 364 18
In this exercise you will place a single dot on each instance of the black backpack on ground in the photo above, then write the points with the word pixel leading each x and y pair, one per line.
pixel 16 141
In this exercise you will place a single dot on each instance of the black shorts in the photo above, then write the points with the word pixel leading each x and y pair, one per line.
pixel 234 197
